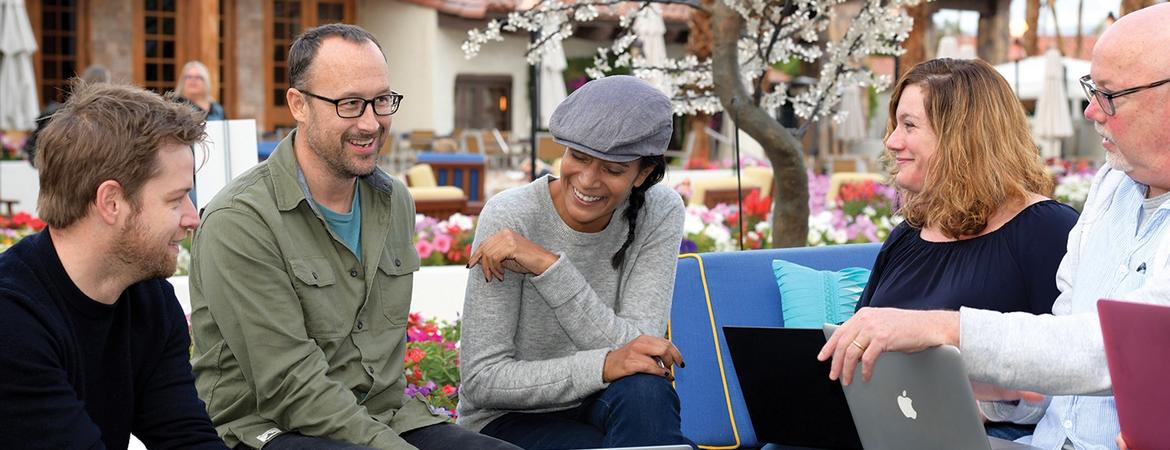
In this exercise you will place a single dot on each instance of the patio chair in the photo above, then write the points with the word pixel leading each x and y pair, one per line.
pixel 430 199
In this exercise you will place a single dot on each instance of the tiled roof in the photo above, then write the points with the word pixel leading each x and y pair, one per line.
pixel 479 9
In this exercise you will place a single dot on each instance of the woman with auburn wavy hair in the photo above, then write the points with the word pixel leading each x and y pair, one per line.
pixel 978 233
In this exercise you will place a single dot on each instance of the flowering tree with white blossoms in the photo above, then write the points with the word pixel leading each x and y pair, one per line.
pixel 748 37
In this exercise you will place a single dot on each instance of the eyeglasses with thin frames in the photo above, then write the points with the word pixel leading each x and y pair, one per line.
pixel 1105 98
pixel 353 107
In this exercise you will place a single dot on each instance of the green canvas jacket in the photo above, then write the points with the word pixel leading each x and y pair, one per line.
pixel 291 331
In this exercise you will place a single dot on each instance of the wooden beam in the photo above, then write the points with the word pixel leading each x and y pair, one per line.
pixel 994 34
pixel 915 44
pixel 201 33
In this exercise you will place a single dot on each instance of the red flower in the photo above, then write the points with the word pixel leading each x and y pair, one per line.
pixel 732 220
pixel 449 390
pixel 415 355
pixel 21 219
pixel 756 206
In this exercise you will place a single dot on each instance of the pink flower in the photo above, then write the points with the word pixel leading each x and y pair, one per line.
pixel 442 243
pixel 424 249
pixel 449 390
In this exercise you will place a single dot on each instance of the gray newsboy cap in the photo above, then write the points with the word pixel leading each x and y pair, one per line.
pixel 617 118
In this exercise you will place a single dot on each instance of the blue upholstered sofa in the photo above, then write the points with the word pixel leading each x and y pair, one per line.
pixel 712 290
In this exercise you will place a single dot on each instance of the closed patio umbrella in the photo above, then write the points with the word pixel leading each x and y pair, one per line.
pixel 651 31
pixel 1053 120
pixel 18 88
pixel 552 78
pixel 852 126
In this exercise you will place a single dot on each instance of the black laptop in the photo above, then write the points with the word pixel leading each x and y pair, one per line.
pixel 791 400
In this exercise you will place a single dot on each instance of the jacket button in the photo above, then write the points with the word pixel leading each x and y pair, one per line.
pixel 314 275
pixel 360 324
pixel 353 273
pixel 370 369
pixel 397 262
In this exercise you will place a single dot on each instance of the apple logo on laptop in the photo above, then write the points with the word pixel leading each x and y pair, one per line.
pixel 906 404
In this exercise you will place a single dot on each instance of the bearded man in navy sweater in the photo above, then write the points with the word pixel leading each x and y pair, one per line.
pixel 93 343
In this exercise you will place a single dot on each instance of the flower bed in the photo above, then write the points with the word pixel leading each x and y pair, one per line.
pixel 444 242
pixel 862 212
pixel 13 229
pixel 432 362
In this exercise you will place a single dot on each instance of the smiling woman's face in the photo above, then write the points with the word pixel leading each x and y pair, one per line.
pixel 913 141
pixel 590 189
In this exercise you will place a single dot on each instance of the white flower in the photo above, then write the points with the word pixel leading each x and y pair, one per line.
pixel 461 221
pixel 693 224
pixel 718 233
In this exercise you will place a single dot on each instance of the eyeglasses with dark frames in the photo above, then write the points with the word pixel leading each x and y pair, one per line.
pixel 1105 98
pixel 353 107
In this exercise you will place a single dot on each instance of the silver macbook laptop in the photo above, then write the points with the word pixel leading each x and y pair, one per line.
pixel 918 401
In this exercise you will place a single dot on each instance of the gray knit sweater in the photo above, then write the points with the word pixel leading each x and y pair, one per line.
pixel 538 343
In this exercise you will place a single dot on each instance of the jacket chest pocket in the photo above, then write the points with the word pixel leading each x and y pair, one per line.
pixel 394 281
pixel 315 282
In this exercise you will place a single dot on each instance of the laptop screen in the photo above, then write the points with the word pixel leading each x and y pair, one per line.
pixel 788 392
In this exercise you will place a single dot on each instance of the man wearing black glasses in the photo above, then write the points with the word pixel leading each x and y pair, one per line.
pixel 301 275
pixel 1119 248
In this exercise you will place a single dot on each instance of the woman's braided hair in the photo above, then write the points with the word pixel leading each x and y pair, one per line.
pixel 637 199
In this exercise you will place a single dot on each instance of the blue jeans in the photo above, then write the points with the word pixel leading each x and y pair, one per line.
pixel 636 410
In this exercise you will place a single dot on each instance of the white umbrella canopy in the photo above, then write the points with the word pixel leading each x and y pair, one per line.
pixel 1053 120
pixel 18 88
pixel 651 31
pixel 552 78
pixel 1031 70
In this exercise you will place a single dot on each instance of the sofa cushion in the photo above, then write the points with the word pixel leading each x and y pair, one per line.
pixel 713 290
pixel 815 297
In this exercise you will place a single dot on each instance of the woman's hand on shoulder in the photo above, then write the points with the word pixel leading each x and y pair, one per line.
pixel 508 250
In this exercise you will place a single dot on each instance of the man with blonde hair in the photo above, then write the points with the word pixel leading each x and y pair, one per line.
pixel 93 342
pixel 1119 248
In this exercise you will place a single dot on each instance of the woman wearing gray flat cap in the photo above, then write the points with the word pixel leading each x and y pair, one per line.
pixel 566 309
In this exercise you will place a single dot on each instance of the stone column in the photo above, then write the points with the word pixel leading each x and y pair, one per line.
pixel 111 37
pixel 249 62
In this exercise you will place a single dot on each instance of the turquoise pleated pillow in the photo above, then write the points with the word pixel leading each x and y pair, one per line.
pixel 811 298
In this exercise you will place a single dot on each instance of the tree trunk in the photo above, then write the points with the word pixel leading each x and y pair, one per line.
pixel 1056 28
pixel 790 179
pixel 994 34
pixel 915 44
pixel 699 44
pixel 1032 17
pixel 1080 42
